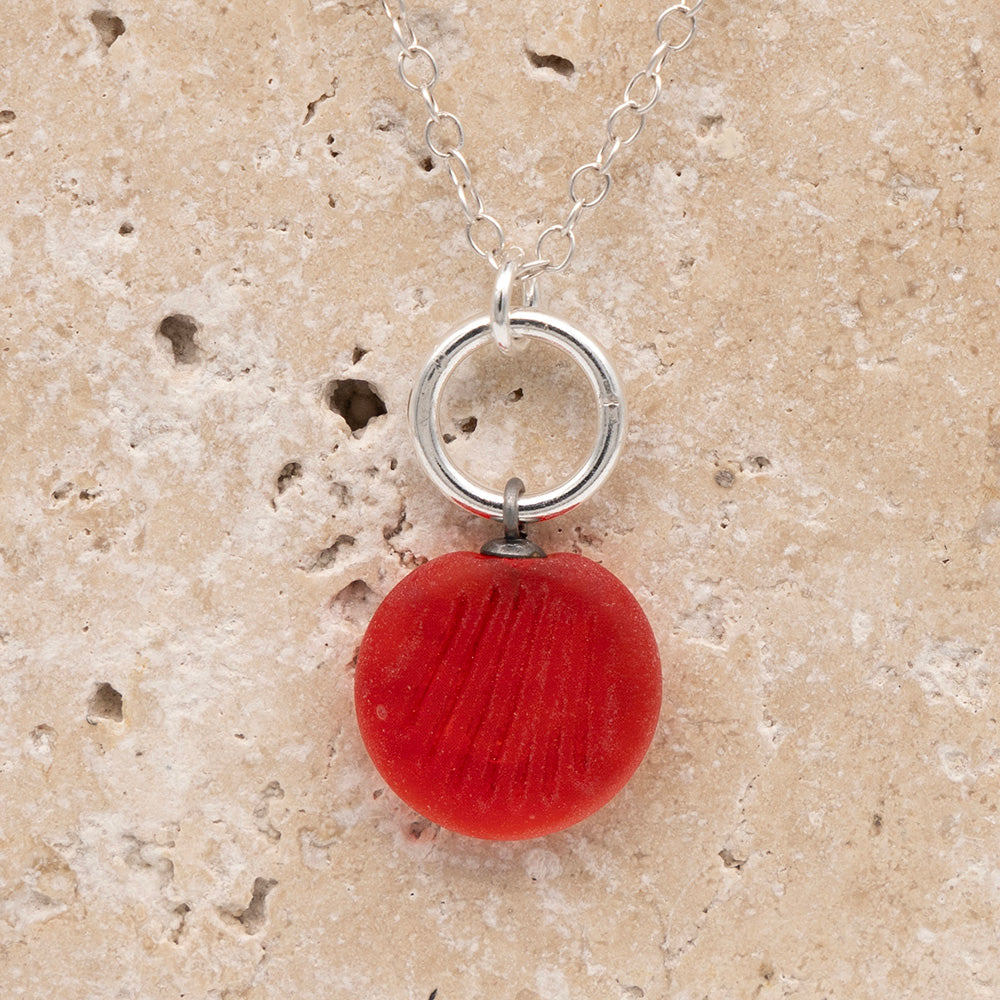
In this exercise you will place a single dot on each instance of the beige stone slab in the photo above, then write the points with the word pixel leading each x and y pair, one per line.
pixel 796 273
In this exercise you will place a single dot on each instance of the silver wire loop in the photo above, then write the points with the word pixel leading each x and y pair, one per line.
pixel 511 273
pixel 514 544
pixel 511 508
pixel 428 391
pixel 500 307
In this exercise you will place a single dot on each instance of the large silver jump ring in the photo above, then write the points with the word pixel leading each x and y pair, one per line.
pixel 425 402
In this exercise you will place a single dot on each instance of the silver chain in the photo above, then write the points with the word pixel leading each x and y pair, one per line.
pixel 588 185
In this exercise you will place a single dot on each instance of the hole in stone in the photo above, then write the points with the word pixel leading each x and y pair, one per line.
pixel 290 471
pixel 468 425
pixel 109 26
pixel 710 123
pixel 564 67
pixel 179 922
pixel 359 353
pixel 313 105
pixel 355 400
pixel 7 116
pixel 43 738
pixel 427 163
pixel 392 530
pixel 105 703
pixel 325 557
pixel 356 602
pixel 730 861
pixel 126 229
pixel 180 330
pixel 419 827
pixel 254 916
pixel 515 396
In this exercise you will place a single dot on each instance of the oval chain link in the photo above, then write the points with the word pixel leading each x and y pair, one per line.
pixel 416 61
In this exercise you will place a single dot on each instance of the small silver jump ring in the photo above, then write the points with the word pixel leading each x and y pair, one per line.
pixel 503 287
pixel 425 402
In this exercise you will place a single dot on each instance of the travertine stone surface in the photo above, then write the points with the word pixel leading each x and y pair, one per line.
pixel 212 212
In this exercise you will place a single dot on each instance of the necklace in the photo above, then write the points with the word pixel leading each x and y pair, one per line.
pixel 508 693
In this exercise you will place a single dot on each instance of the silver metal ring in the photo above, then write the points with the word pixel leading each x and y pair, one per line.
pixel 500 309
pixel 425 402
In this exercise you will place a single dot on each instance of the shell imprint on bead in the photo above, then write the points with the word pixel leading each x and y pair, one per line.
pixel 508 698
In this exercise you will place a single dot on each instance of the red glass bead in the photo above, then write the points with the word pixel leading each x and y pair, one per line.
pixel 508 698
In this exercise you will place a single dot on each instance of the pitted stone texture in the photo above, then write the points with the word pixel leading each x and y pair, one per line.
pixel 795 272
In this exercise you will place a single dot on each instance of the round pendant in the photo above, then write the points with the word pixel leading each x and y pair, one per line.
pixel 508 698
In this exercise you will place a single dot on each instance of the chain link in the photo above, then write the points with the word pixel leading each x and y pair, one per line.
pixel 418 69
